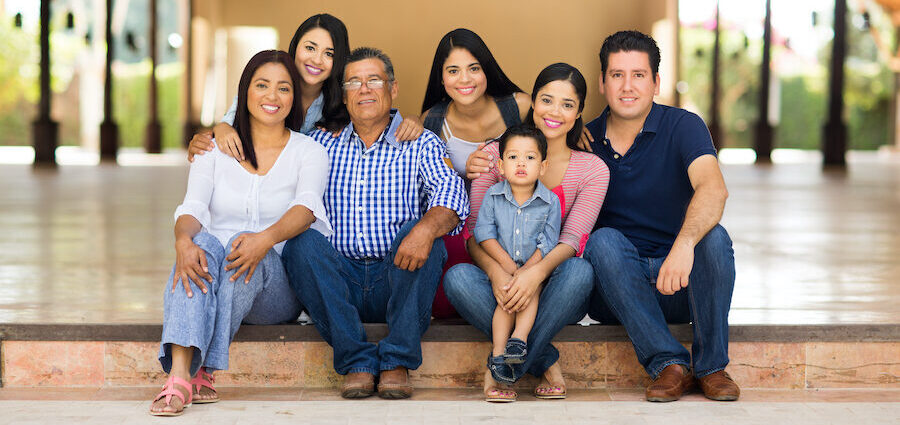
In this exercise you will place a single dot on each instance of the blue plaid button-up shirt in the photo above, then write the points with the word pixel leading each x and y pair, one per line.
pixel 372 192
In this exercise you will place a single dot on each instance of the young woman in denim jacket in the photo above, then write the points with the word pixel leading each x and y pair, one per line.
pixel 320 48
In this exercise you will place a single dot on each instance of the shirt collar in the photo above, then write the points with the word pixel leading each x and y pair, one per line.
pixel 386 135
pixel 540 191
pixel 320 100
pixel 651 123
pixel 653 119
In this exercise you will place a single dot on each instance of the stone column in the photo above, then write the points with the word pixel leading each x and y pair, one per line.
pixel 153 143
pixel 834 136
pixel 45 131
pixel 715 126
pixel 109 130
pixel 764 130
pixel 191 124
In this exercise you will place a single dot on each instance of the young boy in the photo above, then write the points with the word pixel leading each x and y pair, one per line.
pixel 518 224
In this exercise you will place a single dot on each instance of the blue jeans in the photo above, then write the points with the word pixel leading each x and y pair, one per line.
pixel 627 294
pixel 563 301
pixel 209 321
pixel 340 294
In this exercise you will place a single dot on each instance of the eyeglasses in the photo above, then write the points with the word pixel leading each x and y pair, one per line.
pixel 373 84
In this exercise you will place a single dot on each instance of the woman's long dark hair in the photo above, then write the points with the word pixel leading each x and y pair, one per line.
pixel 562 72
pixel 498 84
pixel 294 119
pixel 334 113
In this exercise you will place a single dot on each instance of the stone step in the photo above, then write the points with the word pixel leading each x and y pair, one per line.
pixel 592 357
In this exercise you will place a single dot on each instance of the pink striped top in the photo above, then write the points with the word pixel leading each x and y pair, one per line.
pixel 581 195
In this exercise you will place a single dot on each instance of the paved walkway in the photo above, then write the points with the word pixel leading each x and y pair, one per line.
pixel 272 406
pixel 377 412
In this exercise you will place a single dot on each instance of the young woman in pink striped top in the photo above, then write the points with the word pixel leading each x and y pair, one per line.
pixel 580 180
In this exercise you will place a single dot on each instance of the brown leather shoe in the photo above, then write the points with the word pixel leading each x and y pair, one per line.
pixel 719 386
pixel 358 385
pixel 394 384
pixel 671 383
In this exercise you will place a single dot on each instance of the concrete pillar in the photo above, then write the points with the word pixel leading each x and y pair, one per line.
pixel 764 130
pixel 191 123
pixel 45 131
pixel 895 100
pixel 153 142
pixel 109 130
pixel 834 140
pixel 715 126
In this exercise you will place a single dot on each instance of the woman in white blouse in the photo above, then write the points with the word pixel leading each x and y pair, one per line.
pixel 230 230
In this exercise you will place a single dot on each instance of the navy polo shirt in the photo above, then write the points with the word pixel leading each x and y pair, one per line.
pixel 649 189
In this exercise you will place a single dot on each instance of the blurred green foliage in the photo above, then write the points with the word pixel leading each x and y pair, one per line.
pixel 131 104
pixel 19 91
pixel 17 50
pixel 802 94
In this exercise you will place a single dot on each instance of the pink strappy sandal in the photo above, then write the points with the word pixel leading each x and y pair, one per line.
pixel 203 379
pixel 168 391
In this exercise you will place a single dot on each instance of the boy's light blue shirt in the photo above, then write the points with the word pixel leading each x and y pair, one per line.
pixel 520 229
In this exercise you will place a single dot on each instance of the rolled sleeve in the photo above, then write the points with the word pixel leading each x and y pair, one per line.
pixel 442 184
pixel 312 179
pixel 549 236
pixel 315 205
pixel 199 189
pixel 486 227
pixel 195 209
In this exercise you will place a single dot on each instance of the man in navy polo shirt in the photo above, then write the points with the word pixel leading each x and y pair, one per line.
pixel 658 252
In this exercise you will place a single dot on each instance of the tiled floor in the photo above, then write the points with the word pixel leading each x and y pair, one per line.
pixel 93 244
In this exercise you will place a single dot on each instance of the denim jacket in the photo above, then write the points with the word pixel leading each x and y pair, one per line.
pixel 520 229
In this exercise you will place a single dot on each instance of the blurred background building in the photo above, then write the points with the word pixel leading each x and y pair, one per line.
pixel 714 57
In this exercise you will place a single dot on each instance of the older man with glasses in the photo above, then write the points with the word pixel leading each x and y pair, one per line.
pixel 389 203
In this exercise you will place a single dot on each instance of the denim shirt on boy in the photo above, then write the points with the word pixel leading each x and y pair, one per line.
pixel 520 229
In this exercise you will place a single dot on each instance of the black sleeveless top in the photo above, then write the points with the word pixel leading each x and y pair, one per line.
pixel 509 110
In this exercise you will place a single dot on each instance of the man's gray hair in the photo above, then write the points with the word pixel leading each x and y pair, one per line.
pixel 363 53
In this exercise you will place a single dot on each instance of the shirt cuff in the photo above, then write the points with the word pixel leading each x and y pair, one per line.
pixel 484 233
pixel 195 209
pixel 574 242
pixel 314 203
pixel 543 245
pixel 462 211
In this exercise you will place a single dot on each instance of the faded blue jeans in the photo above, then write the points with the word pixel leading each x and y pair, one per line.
pixel 340 294
pixel 563 301
pixel 207 322
pixel 627 294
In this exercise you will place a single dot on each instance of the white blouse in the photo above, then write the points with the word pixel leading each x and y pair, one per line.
pixel 226 198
